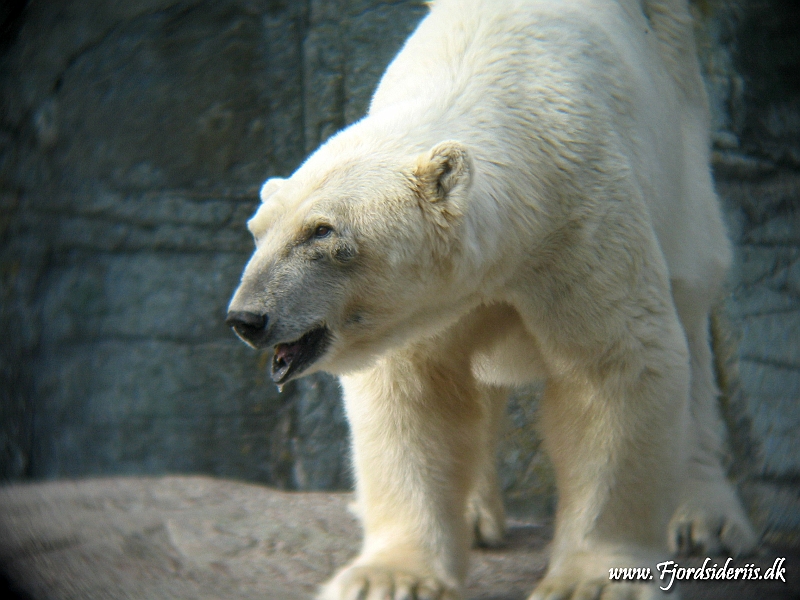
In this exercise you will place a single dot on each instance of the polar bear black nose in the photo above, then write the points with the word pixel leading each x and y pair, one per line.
pixel 251 327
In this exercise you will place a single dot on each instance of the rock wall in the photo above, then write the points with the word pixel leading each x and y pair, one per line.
pixel 751 54
pixel 133 139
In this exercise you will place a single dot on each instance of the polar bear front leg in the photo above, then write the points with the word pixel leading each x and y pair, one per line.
pixel 614 431
pixel 415 420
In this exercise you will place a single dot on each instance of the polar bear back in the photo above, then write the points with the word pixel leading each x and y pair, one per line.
pixel 622 73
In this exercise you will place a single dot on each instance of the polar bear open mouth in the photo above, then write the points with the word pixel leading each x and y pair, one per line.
pixel 293 357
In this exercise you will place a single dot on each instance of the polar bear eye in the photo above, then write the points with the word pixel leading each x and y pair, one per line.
pixel 322 231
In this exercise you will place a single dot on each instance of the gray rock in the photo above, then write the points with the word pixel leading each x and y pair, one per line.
pixel 200 538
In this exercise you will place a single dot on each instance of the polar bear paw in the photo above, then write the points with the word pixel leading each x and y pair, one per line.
pixel 563 588
pixel 365 582
pixel 711 521
pixel 696 530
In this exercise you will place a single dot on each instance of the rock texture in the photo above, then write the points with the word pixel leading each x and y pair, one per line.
pixel 199 538
pixel 133 138
pixel 751 53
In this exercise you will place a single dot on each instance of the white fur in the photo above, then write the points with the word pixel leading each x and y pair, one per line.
pixel 530 197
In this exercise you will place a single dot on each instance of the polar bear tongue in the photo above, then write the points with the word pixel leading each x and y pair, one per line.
pixel 293 357
pixel 285 355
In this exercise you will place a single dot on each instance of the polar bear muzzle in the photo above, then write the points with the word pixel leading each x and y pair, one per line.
pixel 290 358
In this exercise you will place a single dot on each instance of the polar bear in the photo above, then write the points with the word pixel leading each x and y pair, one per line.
pixel 529 197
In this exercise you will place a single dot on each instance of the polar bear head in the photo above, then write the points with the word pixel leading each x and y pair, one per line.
pixel 356 252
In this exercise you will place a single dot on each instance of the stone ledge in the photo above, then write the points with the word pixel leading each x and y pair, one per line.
pixel 203 538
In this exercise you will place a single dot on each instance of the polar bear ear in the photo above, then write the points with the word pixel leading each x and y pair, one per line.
pixel 270 187
pixel 442 170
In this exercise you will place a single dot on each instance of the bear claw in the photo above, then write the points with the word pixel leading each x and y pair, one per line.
pixel 380 583
pixel 711 521
pixel 563 589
